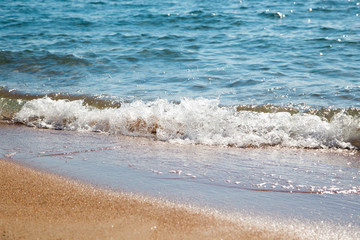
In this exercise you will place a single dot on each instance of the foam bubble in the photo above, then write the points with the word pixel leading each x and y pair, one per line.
pixel 197 121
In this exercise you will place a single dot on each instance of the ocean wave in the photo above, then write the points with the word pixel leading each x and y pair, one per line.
pixel 269 14
pixel 29 58
pixel 199 121
pixel 12 100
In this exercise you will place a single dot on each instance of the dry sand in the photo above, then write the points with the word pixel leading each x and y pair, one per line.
pixel 38 205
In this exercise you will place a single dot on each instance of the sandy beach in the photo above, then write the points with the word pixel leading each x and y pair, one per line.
pixel 38 205
pixel 56 185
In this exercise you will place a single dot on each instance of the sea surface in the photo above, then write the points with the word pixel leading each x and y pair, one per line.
pixel 216 77
pixel 239 73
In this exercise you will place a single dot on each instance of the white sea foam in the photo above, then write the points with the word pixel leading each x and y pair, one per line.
pixel 199 121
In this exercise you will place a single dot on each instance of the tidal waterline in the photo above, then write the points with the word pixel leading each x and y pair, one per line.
pixel 304 184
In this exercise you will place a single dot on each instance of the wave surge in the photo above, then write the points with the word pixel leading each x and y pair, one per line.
pixel 197 121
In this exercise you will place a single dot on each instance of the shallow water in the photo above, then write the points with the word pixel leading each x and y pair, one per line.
pixel 310 185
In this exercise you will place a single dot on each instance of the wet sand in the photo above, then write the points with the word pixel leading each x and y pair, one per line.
pixel 39 198
pixel 39 205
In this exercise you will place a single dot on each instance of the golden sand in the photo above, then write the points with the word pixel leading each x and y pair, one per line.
pixel 38 205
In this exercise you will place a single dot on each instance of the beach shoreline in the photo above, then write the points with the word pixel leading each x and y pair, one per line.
pixel 39 205
pixel 66 185
pixel 180 120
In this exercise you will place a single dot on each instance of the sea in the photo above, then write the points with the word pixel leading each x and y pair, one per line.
pixel 241 105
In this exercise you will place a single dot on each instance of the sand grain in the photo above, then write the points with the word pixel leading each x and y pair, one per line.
pixel 38 205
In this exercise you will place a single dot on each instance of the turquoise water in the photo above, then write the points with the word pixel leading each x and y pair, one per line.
pixel 242 52
pixel 233 73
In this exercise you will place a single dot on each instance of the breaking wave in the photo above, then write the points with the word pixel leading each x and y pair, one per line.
pixel 196 121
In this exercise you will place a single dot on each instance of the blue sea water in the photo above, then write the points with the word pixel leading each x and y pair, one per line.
pixel 242 52
pixel 191 58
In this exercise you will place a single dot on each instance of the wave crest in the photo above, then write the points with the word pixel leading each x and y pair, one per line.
pixel 198 121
